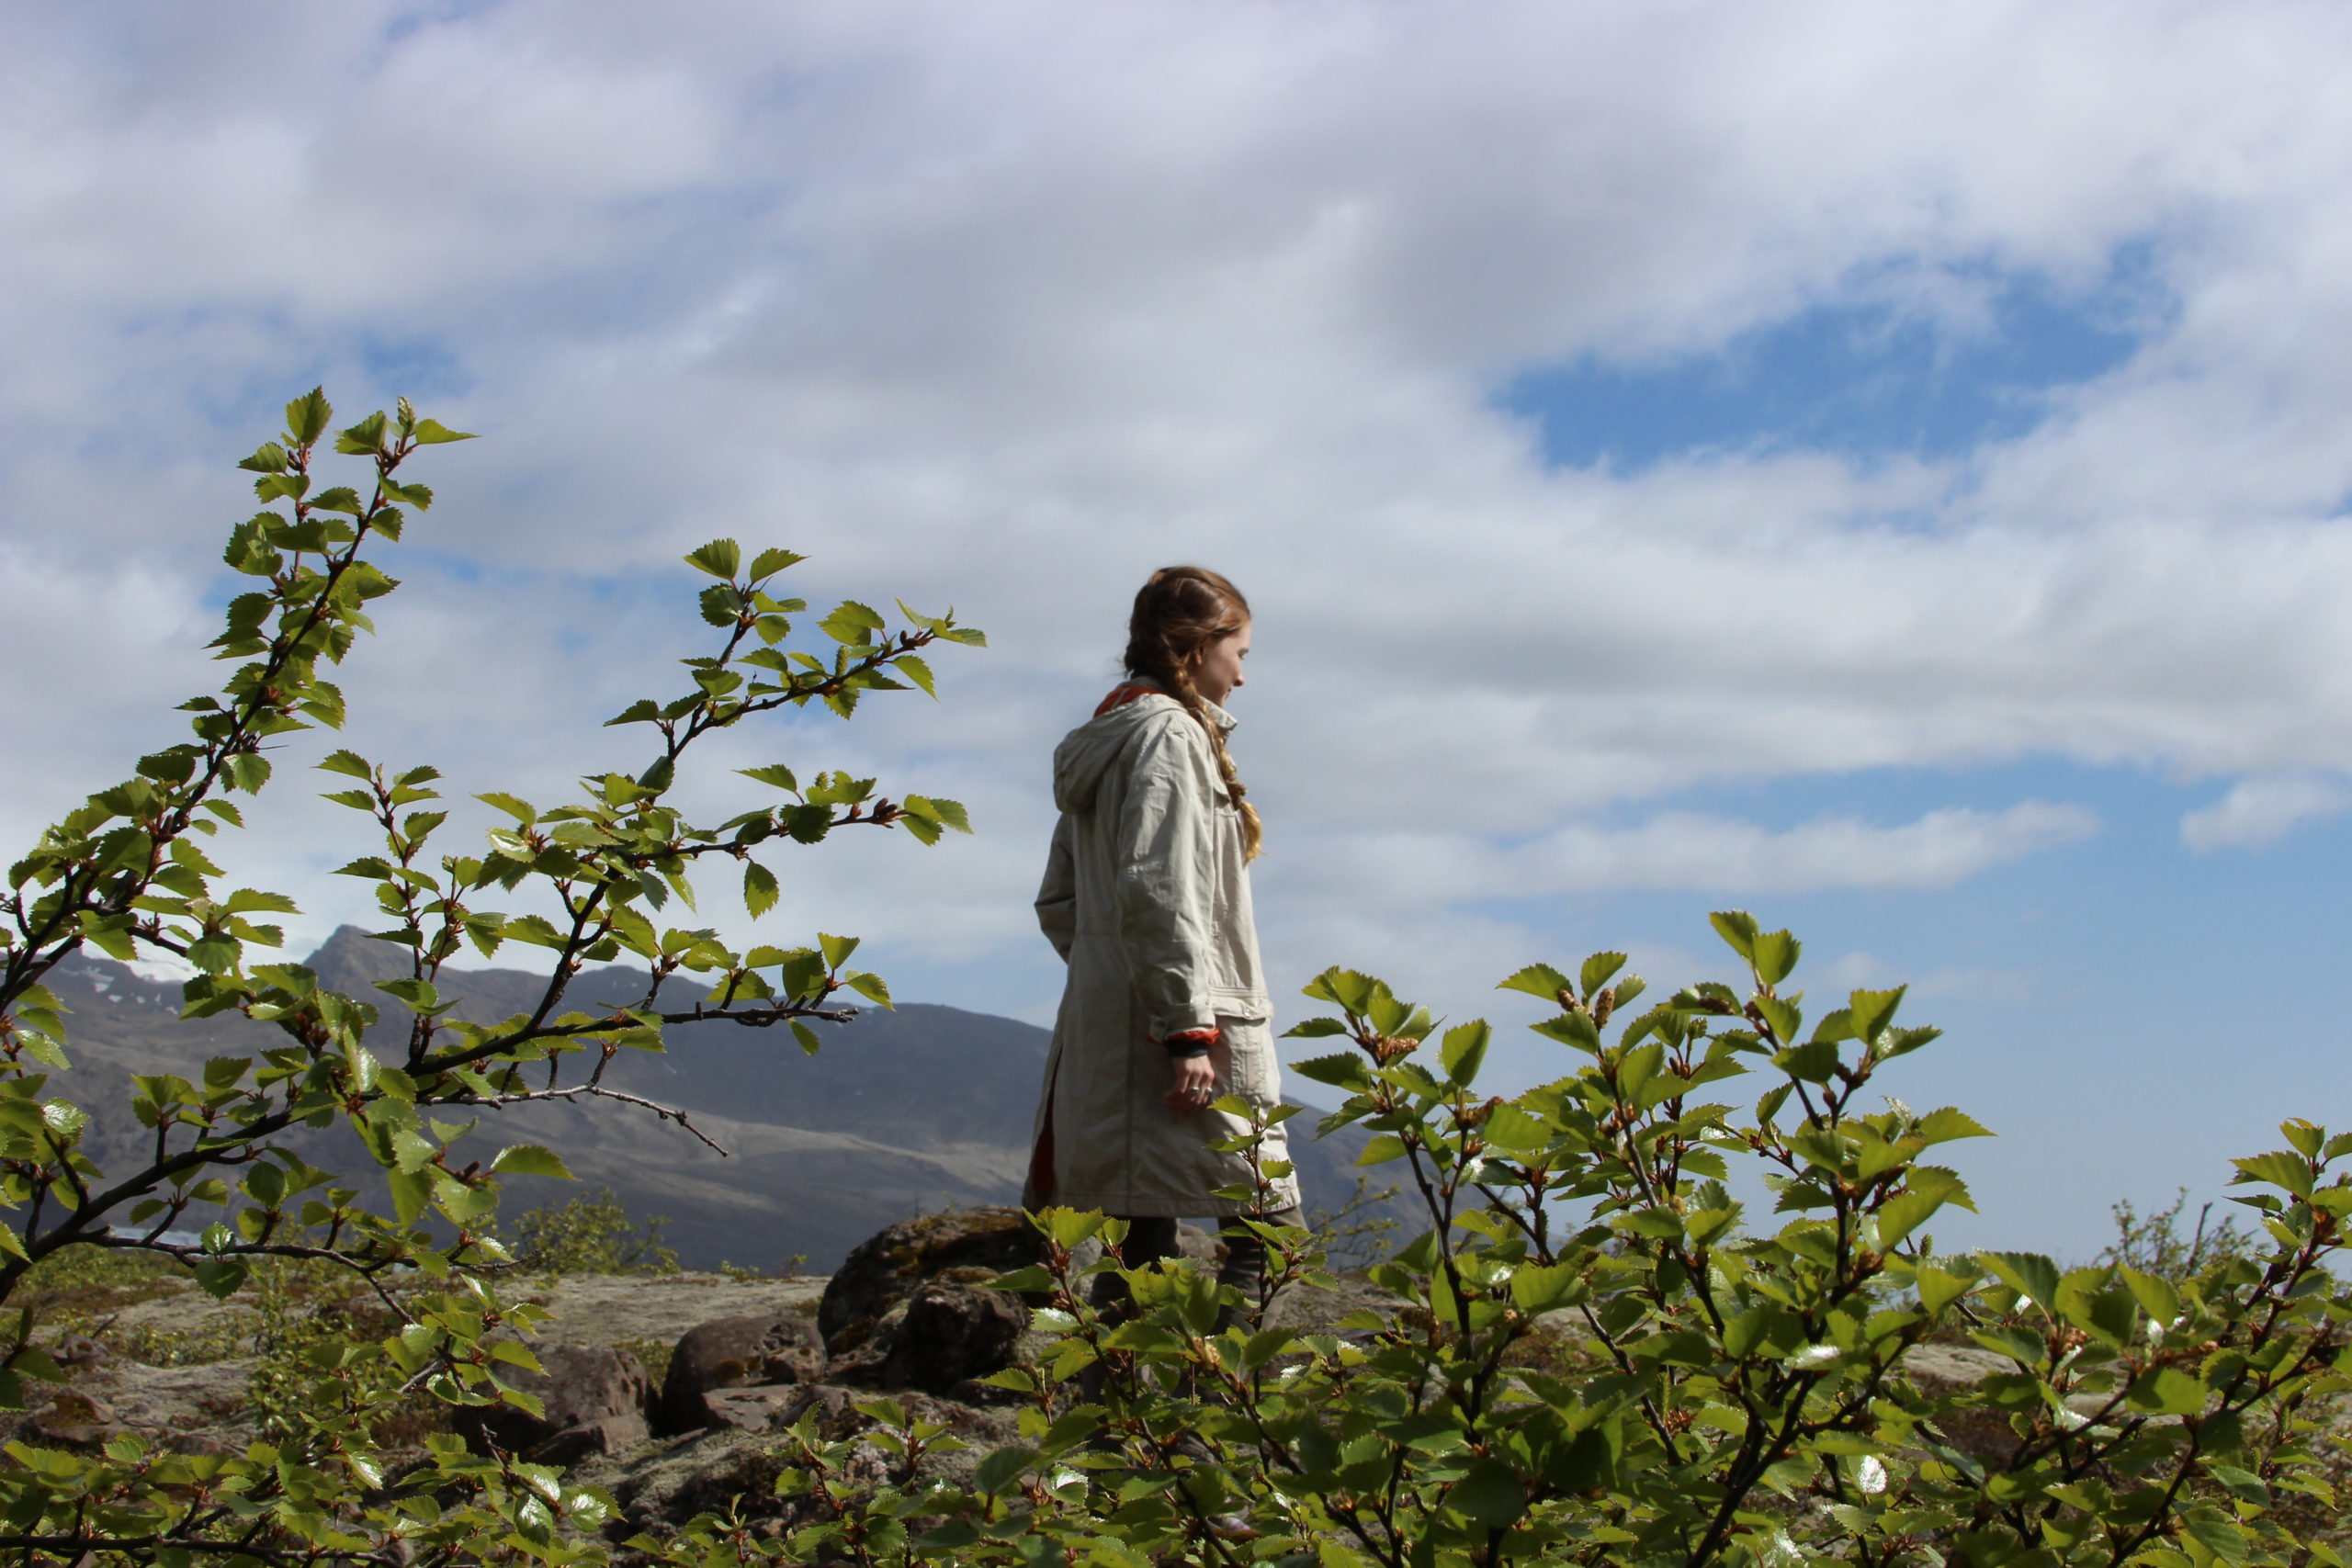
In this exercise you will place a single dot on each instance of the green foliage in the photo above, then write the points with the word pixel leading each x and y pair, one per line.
pixel 2160 1243
pixel 1360 1232
pixel 590 1233
pixel 417 1314
pixel 1600 1358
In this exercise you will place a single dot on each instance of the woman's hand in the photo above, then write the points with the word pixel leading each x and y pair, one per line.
pixel 1196 1080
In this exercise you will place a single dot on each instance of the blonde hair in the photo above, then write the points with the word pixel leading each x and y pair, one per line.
pixel 1179 613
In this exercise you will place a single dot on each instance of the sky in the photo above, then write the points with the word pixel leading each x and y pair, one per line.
pixel 1882 468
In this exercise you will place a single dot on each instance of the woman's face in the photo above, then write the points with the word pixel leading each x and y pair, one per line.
pixel 1216 669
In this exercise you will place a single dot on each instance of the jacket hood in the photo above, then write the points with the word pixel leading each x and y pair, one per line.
pixel 1087 752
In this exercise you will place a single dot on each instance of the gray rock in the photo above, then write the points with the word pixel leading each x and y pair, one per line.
pixel 756 1350
pixel 74 1416
pixel 951 1335
pixel 768 1408
pixel 961 1246
pixel 595 1399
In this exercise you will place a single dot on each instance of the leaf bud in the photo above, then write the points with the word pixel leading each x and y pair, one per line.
pixel 1387 1048
pixel 1476 1115
pixel 1603 1004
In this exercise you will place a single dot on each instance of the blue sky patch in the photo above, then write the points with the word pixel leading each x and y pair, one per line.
pixel 1878 374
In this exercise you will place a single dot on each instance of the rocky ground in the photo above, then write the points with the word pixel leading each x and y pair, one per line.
pixel 666 1390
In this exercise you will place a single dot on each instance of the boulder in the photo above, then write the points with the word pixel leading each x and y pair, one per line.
pixel 951 1335
pixel 767 1408
pixel 761 1349
pixel 961 1246
pixel 594 1398
pixel 73 1416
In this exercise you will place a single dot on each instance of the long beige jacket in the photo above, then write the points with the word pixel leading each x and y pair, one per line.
pixel 1146 895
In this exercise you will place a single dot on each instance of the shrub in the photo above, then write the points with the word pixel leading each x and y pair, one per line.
pixel 1601 1360
pixel 590 1233
pixel 127 872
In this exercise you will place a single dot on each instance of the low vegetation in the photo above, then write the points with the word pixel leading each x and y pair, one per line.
pixel 1601 1357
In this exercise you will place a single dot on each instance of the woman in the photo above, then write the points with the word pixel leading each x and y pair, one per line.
pixel 1147 897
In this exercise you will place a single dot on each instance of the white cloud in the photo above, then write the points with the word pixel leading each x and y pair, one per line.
pixel 1677 850
pixel 1686 851
pixel 1003 306
pixel 2261 810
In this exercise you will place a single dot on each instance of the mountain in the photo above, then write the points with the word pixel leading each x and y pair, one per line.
pixel 923 1107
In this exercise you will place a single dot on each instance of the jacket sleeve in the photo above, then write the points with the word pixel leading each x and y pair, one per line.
pixel 1058 895
pixel 1166 890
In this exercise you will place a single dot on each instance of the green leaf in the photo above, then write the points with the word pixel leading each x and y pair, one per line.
pixel 2278 1168
pixel 219 1278
pixel 802 974
pixel 1537 980
pixel 1345 1070
pixel 915 669
pixel 949 813
pixel 2155 1294
pixel 1775 955
pixel 870 987
pixel 523 811
pixel 837 949
pixel 1489 1495
pixel 1938 1288
pixel 2165 1390
pixel 850 623
pixel 1738 930
pixel 810 1043
pixel 1903 1213
pixel 759 888
pixel 1002 1468
pixel 307 417
pixel 719 558
pixel 1873 1011
pixel 432 433
pixel 1538 1288
pixel 767 563
pixel 2027 1273
pixel 1595 971
pixel 530 1159
pixel 1943 1126
pixel 1464 1050
pixel 349 763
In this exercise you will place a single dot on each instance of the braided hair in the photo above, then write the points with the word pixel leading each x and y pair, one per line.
pixel 1179 613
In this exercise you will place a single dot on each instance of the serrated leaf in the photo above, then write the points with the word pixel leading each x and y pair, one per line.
pixel 530 1159
pixel 307 417
pixel 1346 1070
pixel 719 558
pixel 1537 980
pixel 521 810
pixel 1464 1051
pixel 1943 1126
pixel 760 892
pixel 2027 1273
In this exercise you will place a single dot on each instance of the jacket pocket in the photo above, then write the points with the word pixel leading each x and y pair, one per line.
pixel 1250 1046
pixel 1241 1005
